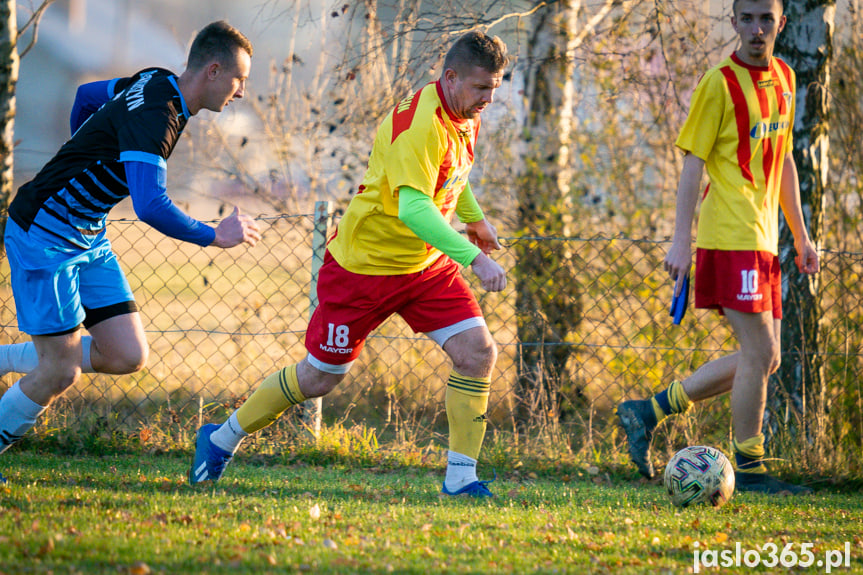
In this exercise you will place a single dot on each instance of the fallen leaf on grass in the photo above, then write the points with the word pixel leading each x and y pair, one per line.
pixel 315 512
pixel 185 519
pixel 139 568
pixel 47 548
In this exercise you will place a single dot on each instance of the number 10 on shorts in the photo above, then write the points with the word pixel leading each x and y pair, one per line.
pixel 749 281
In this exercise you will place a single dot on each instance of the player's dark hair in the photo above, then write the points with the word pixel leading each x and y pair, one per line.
pixel 735 2
pixel 218 40
pixel 476 49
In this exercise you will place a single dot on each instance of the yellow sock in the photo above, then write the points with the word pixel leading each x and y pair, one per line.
pixel 670 400
pixel 749 454
pixel 466 404
pixel 276 393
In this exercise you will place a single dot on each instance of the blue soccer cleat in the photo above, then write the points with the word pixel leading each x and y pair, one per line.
pixel 475 489
pixel 2 479
pixel 210 460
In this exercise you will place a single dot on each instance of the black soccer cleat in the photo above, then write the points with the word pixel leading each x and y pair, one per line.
pixel 764 483
pixel 638 421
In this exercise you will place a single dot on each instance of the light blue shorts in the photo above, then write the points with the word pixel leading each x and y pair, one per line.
pixel 57 285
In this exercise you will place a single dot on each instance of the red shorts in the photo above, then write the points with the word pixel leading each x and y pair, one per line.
pixel 351 305
pixel 747 281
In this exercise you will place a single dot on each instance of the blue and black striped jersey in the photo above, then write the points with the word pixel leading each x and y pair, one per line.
pixel 73 193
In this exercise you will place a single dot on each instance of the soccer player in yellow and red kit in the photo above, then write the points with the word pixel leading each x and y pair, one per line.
pixel 740 127
pixel 394 251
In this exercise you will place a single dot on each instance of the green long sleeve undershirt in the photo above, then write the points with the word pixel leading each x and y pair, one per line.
pixel 467 209
pixel 420 214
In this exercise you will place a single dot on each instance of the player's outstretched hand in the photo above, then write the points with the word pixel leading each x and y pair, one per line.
pixel 236 229
pixel 483 235
pixel 489 272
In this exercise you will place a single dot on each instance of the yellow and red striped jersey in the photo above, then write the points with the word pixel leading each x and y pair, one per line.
pixel 420 144
pixel 740 123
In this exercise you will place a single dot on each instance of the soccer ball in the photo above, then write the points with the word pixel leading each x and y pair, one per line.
pixel 699 474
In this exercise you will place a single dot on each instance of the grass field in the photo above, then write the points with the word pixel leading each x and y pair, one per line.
pixel 135 514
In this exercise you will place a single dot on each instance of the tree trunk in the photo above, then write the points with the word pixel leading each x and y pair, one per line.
pixel 548 296
pixel 806 45
pixel 8 80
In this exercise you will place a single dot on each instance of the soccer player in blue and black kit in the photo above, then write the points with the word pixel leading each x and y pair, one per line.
pixel 64 273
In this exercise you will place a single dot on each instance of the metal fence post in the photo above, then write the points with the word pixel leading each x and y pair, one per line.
pixel 323 214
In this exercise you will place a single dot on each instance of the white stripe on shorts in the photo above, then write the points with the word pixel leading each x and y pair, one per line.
pixel 442 335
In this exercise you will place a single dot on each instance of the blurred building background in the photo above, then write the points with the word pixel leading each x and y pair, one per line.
pixel 86 40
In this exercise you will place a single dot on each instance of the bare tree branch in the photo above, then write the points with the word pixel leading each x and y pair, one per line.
pixel 505 17
pixel 34 20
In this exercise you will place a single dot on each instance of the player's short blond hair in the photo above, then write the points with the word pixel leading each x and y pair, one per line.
pixel 477 49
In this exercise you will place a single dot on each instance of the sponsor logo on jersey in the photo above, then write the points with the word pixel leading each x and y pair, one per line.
pixel 765 83
pixel 763 130
pixel 453 181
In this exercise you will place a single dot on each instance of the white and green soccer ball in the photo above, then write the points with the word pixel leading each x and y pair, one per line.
pixel 699 474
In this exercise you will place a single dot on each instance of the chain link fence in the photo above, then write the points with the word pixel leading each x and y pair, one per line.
pixel 219 321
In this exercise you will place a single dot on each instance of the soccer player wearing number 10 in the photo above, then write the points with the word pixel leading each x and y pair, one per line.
pixel 739 126
pixel 395 252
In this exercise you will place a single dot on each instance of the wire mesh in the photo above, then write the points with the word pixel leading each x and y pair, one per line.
pixel 219 321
